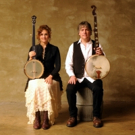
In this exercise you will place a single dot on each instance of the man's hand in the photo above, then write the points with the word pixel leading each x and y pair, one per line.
pixel 98 51
pixel 72 80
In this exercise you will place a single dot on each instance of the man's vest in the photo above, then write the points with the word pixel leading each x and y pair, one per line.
pixel 78 59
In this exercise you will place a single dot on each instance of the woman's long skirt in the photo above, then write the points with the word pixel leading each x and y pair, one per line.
pixel 41 96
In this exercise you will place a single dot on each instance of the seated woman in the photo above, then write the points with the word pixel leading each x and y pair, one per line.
pixel 44 94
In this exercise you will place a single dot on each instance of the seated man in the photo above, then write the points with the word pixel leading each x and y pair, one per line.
pixel 77 55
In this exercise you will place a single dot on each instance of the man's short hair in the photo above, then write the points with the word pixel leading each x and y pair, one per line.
pixel 86 24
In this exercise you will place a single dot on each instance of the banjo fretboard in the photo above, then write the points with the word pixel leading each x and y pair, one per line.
pixel 95 26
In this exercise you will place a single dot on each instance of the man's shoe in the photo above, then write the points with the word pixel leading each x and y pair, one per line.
pixel 97 123
pixel 72 121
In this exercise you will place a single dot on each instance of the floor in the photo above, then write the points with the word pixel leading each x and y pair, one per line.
pixel 118 118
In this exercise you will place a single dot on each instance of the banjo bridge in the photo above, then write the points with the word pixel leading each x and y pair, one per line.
pixel 98 67
pixel 34 72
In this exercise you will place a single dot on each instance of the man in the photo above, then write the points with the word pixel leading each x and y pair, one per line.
pixel 77 55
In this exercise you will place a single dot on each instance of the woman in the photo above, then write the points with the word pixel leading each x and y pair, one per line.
pixel 43 94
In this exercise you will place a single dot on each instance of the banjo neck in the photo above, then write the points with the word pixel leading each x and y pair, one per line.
pixel 97 66
pixel 33 69
pixel 33 33
pixel 95 26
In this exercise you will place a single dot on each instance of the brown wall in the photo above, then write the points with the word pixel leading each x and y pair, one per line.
pixel 116 26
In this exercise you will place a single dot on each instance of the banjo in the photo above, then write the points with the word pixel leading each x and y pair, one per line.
pixel 33 69
pixel 97 66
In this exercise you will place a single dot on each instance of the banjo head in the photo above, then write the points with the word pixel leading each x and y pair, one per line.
pixel 34 69
pixel 97 66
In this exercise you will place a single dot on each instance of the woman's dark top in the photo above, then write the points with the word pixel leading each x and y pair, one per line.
pixel 51 61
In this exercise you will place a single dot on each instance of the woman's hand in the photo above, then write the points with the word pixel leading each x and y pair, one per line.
pixel 32 54
pixel 72 80
pixel 98 51
pixel 49 79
